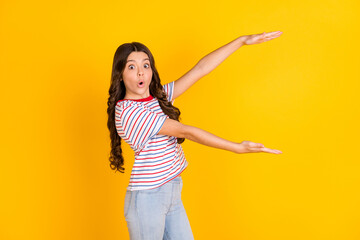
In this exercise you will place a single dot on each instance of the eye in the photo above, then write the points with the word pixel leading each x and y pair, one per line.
pixel 147 65
pixel 131 67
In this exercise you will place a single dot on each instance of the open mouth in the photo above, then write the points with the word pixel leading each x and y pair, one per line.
pixel 141 84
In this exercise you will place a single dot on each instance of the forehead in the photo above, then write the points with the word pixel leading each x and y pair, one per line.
pixel 137 56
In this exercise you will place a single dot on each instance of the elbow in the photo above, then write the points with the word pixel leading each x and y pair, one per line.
pixel 201 68
pixel 184 131
pixel 174 128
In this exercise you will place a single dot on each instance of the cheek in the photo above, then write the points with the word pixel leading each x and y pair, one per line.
pixel 128 75
pixel 150 74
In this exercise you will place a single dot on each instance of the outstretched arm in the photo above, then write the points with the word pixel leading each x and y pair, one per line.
pixel 213 59
pixel 177 129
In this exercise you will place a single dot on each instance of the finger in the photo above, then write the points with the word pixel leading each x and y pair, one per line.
pixel 274 34
pixel 270 33
pixel 268 150
pixel 271 37
pixel 260 149
pixel 256 145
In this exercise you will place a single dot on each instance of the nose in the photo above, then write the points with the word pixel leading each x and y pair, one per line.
pixel 140 72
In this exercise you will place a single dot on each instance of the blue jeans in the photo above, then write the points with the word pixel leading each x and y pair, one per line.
pixel 157 214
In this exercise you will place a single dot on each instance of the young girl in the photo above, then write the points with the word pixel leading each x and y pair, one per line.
pixel 141 112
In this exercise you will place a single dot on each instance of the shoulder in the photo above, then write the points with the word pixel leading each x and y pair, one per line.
pixel 126 107
pixel 168 87
pixel 122 107
pixel 169 90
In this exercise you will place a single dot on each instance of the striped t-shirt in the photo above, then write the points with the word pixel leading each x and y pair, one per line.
pixel 158 158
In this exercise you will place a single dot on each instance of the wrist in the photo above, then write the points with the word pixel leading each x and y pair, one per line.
pixel 242 40
pixel 239 148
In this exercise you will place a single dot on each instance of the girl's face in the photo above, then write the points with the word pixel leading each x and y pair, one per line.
pixel 137 76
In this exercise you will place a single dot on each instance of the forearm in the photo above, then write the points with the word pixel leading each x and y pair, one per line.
pixel 174 128
pixel 203 137
pixel 213 59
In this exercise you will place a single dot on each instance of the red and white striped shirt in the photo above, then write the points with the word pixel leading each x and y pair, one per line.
pixel 158 158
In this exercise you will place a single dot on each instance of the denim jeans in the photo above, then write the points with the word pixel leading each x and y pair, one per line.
pixel 157 214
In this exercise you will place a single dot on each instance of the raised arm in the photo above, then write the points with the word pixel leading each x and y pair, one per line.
pixel 177 129
pixel 208 63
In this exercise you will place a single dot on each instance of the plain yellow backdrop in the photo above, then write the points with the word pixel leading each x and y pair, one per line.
pixel 298 93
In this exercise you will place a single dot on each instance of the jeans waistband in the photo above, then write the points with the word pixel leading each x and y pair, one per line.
pixel 177 178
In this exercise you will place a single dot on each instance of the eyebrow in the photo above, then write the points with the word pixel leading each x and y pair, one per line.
pixel 134 60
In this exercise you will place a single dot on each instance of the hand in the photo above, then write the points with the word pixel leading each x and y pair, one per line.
pixel 251 147
pixel 260 38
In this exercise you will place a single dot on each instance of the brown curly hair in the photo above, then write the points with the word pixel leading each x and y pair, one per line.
pixel 117 92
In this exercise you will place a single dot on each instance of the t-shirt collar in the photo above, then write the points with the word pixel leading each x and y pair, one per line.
pixel 142 99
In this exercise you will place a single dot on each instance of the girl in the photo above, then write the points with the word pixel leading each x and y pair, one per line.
pixel 141 112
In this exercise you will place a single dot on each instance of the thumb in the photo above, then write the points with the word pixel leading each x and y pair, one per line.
pixel 256 145
pixel 260 145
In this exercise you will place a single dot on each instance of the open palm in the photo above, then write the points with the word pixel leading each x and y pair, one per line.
pixel 260 38
pixel 251 147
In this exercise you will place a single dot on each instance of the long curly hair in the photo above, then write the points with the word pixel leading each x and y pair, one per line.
pixel 117 92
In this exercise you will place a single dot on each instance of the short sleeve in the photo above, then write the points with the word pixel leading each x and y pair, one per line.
pixel 169 89
pixel 138 124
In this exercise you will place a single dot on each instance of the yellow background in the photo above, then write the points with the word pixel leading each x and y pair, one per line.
pixel 298 93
